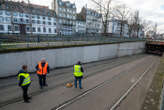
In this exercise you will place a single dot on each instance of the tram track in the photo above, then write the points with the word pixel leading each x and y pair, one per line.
pixel 104 66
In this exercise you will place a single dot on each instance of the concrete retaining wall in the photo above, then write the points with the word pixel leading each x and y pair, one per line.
pixel 11 62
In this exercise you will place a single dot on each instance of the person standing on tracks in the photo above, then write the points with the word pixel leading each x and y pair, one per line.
pixel 24 82
pixel 78 74
pixel 42 70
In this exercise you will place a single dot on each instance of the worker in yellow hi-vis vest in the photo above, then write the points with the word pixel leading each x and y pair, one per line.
pixel 78 74
pixel 24 82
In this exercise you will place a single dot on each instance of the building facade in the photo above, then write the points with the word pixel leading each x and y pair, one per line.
pixel 66 13
pixel 22 18
pixel 93 20
pixel 141 33
pixel 80 25
pixel 114 27
pixel 150 34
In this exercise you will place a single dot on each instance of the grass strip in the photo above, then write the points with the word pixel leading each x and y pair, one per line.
pixel 153 97
pixel 9 50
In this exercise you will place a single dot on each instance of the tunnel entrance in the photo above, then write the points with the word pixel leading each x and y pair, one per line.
pixel 155 47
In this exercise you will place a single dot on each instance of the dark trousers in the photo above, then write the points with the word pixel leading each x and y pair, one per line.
pixel 80 82
pixel 42 80
pixel 25 92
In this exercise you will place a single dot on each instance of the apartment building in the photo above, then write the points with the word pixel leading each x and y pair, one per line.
pixel 66 12
pixel 93 20
pixel 23 18
pixel 114 27
pixel 80 24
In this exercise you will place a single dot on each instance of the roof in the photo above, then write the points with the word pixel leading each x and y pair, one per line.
pixel 92 11
pixel 64 4
pixel 80 17
pixel 117 20
pixel 23 7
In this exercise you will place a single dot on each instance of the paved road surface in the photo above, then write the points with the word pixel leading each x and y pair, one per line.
pixel 105 82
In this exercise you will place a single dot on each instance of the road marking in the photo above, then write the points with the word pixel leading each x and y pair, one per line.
pixel 130 89
pixel 72 100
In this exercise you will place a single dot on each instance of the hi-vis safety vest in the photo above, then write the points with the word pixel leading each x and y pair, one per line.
pixel 42 70
pixel 77 71
pixel 27 79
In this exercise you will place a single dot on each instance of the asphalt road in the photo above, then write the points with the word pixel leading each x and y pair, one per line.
pixel 105 83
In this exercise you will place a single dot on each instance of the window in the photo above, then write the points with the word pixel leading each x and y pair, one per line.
pixel 33 29
pixel 49 23
pixel 54 23
pixel 27 21
pixel 33 16
pixel 9 27
pixel 21 20
pixel 33 21
pixel 15 14
pixel 28 29
pixel 60 3
pixel 39 30
pixel 74 6
pixel 49 30
pixel 38 22
pixel 1 19
pixel 1 27
pixel 27 16
pixel 44 22
pixel 44 29
pixel 15 20
pixel 7 13
pixel 7 19
pixel 16 28
pixel 1 12
pixel 49 18
pixel 44 17
pixel 21 14
pixel 54 30
pixel 60 21
pixel 38 17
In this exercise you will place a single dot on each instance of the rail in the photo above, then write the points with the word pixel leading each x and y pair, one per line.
pixel 26 41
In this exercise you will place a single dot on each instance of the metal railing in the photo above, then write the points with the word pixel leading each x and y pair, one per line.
pixel 25 41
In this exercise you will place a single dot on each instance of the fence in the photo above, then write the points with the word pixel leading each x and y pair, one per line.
pixel 23 41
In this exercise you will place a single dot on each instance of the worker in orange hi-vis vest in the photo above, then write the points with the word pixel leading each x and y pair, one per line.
pixel 42 70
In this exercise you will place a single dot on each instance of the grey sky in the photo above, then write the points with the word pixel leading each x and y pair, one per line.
pixel 149 9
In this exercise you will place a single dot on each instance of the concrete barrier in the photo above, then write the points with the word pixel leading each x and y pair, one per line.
pixel 11 62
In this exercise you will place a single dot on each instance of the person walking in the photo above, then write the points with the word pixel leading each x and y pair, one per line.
pixel 78 74
pixel 42 70
pixel 24 82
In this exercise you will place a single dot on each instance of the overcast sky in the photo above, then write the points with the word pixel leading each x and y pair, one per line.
pixel 149 9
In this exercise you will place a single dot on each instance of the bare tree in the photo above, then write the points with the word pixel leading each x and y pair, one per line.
pixel 104 7
pixel 30 13
pixel 131 24
pixel 121 13
pixel 147 25
pixel 135 24
pixel 155 29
